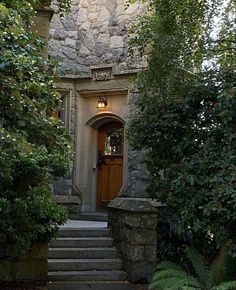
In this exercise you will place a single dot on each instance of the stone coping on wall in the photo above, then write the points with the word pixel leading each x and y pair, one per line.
pixel 67 199
pixel 135 204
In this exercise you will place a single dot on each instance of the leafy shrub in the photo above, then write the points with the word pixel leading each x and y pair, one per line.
pixel 185 115
pixel 34 146
pixel 31 217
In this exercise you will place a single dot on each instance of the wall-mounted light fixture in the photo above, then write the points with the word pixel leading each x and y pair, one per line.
pixel 102 103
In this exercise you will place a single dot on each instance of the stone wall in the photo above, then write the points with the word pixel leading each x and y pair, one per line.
pixel 31 266
pixel 133 222
pixel 95 33
pixel 137 174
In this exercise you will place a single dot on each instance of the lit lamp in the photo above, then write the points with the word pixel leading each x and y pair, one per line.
pixel 102 103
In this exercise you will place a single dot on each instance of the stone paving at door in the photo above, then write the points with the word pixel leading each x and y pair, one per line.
pixel 83 258
pixel 77 224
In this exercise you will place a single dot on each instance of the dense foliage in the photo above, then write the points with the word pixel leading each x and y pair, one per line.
pixel 197 273
pixel 185 115
pixel 33 145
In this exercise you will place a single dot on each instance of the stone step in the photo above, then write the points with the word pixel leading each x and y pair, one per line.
pixel 84 232
pixel 82 253
pixel 88 242
pixel 87 276
pixel 97 216
pixel 83 264
pixel 98 285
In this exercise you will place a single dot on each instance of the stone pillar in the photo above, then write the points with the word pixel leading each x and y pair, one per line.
pixel 133 222
pixel 41 23
pixel 71 203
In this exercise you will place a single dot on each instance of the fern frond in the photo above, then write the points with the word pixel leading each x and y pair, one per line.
pixel 164 283
pixel 187 282
pixel 176 283
pixel 168 265
pixel 170 273
pixel 225 286
pixel 168 279
pixel 199 264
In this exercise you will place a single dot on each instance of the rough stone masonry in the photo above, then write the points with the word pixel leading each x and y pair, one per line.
pixel 94 33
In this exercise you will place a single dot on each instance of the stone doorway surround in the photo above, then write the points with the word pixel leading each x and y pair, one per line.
pixel 86 118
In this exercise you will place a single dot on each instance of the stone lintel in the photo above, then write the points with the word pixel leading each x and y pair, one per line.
pixel 104 92
pixel 115 73
pixel 126 72
pixel 133 205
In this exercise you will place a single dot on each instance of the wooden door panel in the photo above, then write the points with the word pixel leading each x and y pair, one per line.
pixel 115 180
pixel 103 186
pixel 109 179
pixel 110 171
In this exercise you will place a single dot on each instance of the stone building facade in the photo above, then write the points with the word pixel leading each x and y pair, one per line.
pixel 90 47
pixel 96 86
pixel 94 34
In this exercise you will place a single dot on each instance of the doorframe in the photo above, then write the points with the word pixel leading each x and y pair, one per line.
pixel 85 90
pixel 85 175
pixel 100 145
pixel 95 123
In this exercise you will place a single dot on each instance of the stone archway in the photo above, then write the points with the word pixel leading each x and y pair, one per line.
pixel 100 119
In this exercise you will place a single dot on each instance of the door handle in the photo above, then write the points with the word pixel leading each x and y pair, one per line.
pixel 101 160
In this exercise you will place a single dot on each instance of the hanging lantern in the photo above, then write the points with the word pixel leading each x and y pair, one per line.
pixel 102 103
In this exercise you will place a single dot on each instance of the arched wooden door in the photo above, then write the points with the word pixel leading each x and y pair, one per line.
pixel 110 162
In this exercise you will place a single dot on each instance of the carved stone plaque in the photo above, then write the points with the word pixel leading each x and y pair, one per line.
pixel 101 74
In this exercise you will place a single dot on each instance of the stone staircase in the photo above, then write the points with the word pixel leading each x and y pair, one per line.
pixel 84 258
